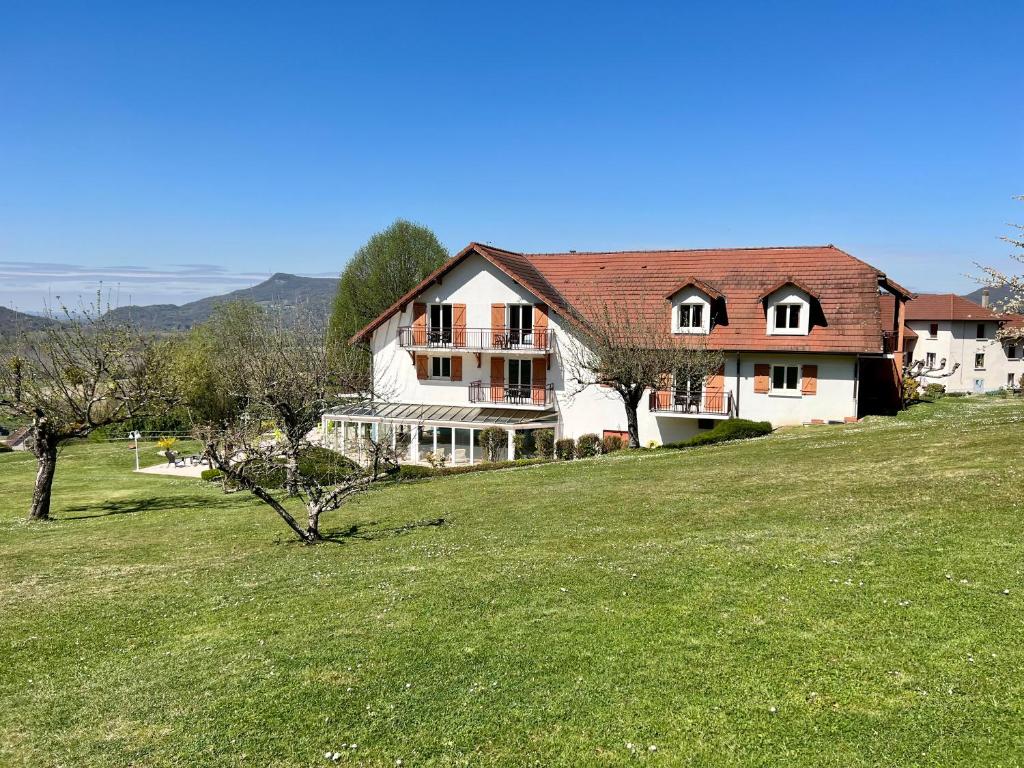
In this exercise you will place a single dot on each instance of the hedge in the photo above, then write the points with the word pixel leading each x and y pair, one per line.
pixel 730 429
pixel 417 472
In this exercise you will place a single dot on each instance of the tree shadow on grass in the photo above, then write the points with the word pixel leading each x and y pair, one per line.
pixel 369 531
pixel 132 506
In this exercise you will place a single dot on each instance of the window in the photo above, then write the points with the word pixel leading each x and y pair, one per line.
pixel 1011 351
pixel 786 378
pixel 687 392
pixel 981 331
pixel 787 317
pixel 440 330
pixel 979 360
pixel 440 367
pixel 520 373
pixel 691 316
pixel 520 324
pixel 929 360
pixel 933 331
pixel 1011 380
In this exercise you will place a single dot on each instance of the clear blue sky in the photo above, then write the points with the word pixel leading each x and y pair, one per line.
pixel 185 148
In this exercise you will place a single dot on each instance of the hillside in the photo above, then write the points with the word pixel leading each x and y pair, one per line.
pixel 996 296
pixel 279 291
pixel 825 596
pixel 12 323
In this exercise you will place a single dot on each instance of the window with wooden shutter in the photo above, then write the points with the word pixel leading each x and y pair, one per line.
pixel 497 379
pixel 540 326
pixel 540 380
pixel 810 380
pixel 456 368
pixel 498 326
pixel 422 363
pixel 761 371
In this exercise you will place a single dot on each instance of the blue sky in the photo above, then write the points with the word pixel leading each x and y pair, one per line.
pixel 183 149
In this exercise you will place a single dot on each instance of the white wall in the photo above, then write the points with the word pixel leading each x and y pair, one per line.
pixel 957 341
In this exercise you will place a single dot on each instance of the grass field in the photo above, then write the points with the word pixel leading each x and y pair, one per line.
pixel 827 596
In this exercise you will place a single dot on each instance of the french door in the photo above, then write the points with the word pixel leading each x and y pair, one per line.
pixel 440 330
pixel 520 324
pixel 520 378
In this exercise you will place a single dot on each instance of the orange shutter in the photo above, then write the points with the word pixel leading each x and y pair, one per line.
pixel 540 328
pixel 810 382
pixel 497 324
pixel 457 368
pixel 497 379
pixel 419 324
pixel 458 327
pixel 540 379
pixel 716 381
pixel 761 373
pixel 422 366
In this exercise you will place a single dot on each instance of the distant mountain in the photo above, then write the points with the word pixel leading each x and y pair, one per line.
pixel 12 323
pixel 280 291
pixel 996 296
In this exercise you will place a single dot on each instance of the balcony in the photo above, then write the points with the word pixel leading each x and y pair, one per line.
pixel 708 403
pixel 476 339
pixel 499 393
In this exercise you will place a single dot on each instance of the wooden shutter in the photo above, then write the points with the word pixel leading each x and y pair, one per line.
pixel 540 328
pixel 456 368
pixel 663 394
pixel 714 396
pixel 497 325
pixel 761 373
pixel 810 380
pixel 422 366
pixel 497 379
pixel 458 328
pixel 419 324
pixel 540 379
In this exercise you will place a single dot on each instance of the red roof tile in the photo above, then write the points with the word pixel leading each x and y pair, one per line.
pixel 947 306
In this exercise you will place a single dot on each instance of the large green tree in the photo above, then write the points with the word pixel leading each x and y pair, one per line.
pixel 391 262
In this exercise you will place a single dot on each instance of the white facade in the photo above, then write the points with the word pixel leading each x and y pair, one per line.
pixel 986 364
pixel 477 284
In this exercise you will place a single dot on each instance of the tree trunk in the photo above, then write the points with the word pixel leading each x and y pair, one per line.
pixel 46 459
pixel 306 536
pixel 313 527
pixel 291 482
pixel 631 425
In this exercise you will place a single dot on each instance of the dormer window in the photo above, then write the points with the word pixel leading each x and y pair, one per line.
pixel 787 317
pixel 691 317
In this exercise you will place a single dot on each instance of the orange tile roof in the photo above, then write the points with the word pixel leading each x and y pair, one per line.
pixel 947 306
pixel 845 287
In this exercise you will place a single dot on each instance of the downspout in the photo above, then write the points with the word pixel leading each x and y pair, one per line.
pixel 737 395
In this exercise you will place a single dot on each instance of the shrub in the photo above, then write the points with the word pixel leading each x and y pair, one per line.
pixel 588 445
pixel 491 441
pixel 418 472
pixel 5 448
pixel 167 443
pixel 209 475
pixel 612 443
pixel 911 389
pixel 325 466
pixel 730 429
pixel 525 444
pixel 565 449
pixel 934 391
pixel 436 460
pixel 544 440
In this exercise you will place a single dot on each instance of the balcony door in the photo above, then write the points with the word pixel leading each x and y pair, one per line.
pixel 520 325
pixel 687 393
pixel 520 379
pixel 439 331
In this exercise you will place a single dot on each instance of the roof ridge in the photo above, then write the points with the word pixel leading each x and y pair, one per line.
pixel 681 250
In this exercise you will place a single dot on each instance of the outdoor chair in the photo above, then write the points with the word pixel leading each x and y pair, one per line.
pixel 461 457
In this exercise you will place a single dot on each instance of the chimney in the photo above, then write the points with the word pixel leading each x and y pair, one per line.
pixel 984 298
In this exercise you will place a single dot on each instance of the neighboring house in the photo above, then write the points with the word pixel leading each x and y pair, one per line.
pixel 944 326
pixel 480 343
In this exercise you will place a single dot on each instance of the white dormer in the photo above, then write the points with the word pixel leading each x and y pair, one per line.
pixel 692 304
pixel 788 310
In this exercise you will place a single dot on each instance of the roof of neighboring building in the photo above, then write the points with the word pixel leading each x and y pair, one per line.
pixel 845 289
pixel 947 306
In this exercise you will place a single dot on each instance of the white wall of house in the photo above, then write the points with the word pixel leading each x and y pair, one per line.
pixel 477 284
pixel 957 341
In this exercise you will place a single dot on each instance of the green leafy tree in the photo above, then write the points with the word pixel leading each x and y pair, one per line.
pixel 390 264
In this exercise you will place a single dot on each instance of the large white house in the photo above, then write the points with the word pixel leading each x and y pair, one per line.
pixel 481 342
pixel 957 342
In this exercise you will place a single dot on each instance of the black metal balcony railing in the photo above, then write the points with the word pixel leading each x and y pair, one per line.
pixel 498 392
pixel 712 402
pixel 890 340
pixel 490 339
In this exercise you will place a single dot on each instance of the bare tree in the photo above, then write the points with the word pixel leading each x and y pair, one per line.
pixel 74 377
pixel 274 381
pixel 619 346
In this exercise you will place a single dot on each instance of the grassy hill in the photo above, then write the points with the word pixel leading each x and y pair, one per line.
pixel 825 596
pixel 13 323
pixel 280 290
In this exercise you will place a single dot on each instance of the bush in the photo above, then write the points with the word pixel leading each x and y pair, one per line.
pixel 588 445
pixel 544 440
pixel 612 443
pixel 565 449
pixel 209 475
pixel 436 460
pixel 911 389
pixel 934 391
pixel 5 448
pixel 325 466
pixel 491 441
pixel 417 472
pixel 730 429
pixel 525 444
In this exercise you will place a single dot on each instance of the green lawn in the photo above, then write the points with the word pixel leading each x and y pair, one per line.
pixel 827 596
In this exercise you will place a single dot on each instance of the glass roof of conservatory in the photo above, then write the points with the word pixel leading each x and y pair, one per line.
pixel 447 414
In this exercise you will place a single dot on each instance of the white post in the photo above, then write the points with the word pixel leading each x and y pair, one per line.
pixel 344 427
pixel 453 446
pixel 135 437
pixel 511 444
pixel 472 434
pixel 435 441
pixel 394 437
pixel 414 444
